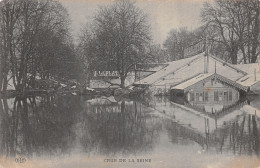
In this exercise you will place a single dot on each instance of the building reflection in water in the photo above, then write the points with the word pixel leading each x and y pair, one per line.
pixel 56 125
pixel 228 127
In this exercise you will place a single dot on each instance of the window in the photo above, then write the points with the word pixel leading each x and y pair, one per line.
pixel 225 95
pixel 197 96
pixel 230 96
pixel 215 95
pixel 206 94
pixel 191 96
pixel 201 97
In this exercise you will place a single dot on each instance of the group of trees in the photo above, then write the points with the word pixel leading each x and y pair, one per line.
pixel 231 32
pixel 178 40
pixel 34 42
pixel 236 24
pixel 117 39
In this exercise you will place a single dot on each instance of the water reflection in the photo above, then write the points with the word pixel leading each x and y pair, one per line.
pixel 56 125
pixel 229 125
pixel 37 125
pixel 117 127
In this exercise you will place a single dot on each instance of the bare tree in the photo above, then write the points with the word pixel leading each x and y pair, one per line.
pixel 252 35
pixel 236 27
pixel 216 17
pixel 87 51
pixel 35 34
pixel 177 41
pixel 121 35
pixel 158 54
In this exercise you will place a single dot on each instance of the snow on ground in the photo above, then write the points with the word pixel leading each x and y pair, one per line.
pixel 87 88
pixel 102 100
pixel 63 85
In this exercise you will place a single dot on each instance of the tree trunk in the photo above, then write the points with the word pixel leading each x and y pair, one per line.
pixel 123 107
pixel 122 84
pixel 233 54
pixel 1 74
pixel 255 42
pixel 5 84
pixel 253 54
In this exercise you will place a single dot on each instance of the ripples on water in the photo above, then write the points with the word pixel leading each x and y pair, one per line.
pixel 60 125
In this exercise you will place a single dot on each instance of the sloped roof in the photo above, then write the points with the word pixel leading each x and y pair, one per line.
pixel 151 67
pixel 248 68
pixel 172 67
pixel 229 65
pixel 192 81
pixel 201 77
pixel 253 76
pixel 249 80
pixel 179 64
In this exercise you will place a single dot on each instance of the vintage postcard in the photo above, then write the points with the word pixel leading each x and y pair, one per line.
pixel 129 83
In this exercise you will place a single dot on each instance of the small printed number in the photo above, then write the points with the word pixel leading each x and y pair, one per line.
pixel 20 160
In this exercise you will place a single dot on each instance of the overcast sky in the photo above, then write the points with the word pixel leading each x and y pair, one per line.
pixel 164 15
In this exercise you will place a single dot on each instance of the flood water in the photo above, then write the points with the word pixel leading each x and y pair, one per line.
pixel 75 131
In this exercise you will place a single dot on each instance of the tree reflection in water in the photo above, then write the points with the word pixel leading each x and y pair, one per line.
pixel 242 136
pixel 56 125
pixel 38 125
pixel 120 128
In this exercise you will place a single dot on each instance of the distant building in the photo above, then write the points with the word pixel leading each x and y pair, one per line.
pixel 111 79
pixel 182 70
pixel 210 92
pixel 194 49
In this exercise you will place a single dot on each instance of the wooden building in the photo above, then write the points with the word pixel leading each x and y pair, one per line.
pixel 209 92
pixel 182 70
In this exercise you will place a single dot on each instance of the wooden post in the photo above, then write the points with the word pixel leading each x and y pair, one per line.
pixel 207 63
pixel 216 122
pixel 165 89
pixel 255 74
pixel 135 78
pixel 215 67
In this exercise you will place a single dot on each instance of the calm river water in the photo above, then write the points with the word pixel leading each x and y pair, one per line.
pixel 75 131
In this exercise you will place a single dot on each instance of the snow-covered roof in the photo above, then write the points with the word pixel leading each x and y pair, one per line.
pixel 248 68
pixel 151 67
pixel 192 81
pixel 172 67
pixel 249 80
pixel 229 65
pixel 253 76
pixel 201 77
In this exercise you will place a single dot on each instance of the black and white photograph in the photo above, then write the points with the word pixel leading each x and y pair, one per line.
pixel 130 83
